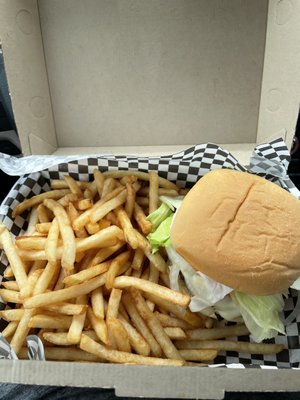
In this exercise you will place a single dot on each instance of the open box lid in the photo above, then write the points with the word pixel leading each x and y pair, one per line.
pixel 113 76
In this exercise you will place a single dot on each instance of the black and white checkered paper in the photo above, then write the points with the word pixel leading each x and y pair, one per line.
pixel 269 160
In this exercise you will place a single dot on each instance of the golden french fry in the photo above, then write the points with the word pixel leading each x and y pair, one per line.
pixel 138 259
pixel 52 242
pixel 90 191
pixel 116 356
pixel 41 300
pixel 15 261
pixel 119 333
pixel 99 180
pixel 67 199
pixel 44 215
pixel 142 201
pixel 97 303
pixel 136 340
pixel 127 227
pixel 140 325
pixel 58 338
pixel 106 252
pixel 175 333
pixel 73 185
pixel 10 296
pixel 86 274
pixel 10 329
pixel 12 315
pixel 162 292
pixel 113 303
pixel 92 228
pixel 66 308
pixel 108 186
pixel 35 200
pixel 11 285
pixel 153 277
pixel 45 278
pixel 99 326
pixel 144 191
pixel 50 321
pixel 144 176
pixel 64 354
pixel 154 325
pixel 73 213
pixel 67 234
pixel 33 220
pixel 140 217
pixel 62 184
pixel 21 331
pixel 78 321
pixel 217 333
pixel 84 204
pixel 31 283
pixel 115 268
pixel 43 227
pixel 155 258
pixel 130 200
pixel 31 242
pixel 153 191
pixel 108 206
pixel 198 355
pixel 229 345
pixel 168 321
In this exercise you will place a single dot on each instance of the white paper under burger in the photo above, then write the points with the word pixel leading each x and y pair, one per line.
pixel 270 160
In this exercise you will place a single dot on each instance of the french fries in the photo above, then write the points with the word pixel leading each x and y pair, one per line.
pixel 84 275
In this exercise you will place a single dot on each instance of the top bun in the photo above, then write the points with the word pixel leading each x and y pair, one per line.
pixel 241 230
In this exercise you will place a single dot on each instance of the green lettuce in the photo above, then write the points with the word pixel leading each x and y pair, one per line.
pixel 161 237
pixel 261 314
pixel 159 215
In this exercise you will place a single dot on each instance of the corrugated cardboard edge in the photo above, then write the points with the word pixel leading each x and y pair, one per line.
pixel 142 381
pixel 27 79
pixel 279 105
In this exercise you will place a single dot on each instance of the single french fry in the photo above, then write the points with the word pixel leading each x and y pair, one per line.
pixel 144 176
pixel 115 268
pixel 33 220
pixel 116 356
pixel 8 272
pixel 22 330
pixel 45 278
pixel 11 285
pixel 50 321
pixel 140 218
pixel 97 303
pixel 153 191
pixel 162 292
pixel 31 283
pixel 10 329
pixel 31 242
pixel 117 330
pixel 86 274
pixel 217 333
pixel 77 324
pixel 127 227
pixel 230 345
pixel 67 199
pixel 59 283
pixel 138 259
pixel 142 201
pixel 10 296
pixel 15 261
pixel 74 187
pixel 66 308
pixel 52 242
pixel 113 303
pixel 43 227
pixel 84 218
pixel 99 325
pixel 41 300
pixel 106 252
pixel 130 200
pixel 108 186
pixel 199 355
pixel 108 206
pixel 73 213
pixel 140 325
pixel 144 191
pixel 67 234
pixel 112 218
pixel 92 228
pixel 58 338
pixel 35 200
pixel 12 314
pixel 84 204
pixel 136 340
pixel 99 181
pixel 155 258
pixel 64 354
pixel 180 312
pixel 154 325
pixel 168 321
pixel 175 333
pixel 43 214
pixel 62 184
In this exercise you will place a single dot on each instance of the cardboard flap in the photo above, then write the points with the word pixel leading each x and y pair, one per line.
pixel 38 145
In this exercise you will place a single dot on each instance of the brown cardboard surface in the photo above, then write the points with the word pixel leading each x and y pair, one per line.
pixel 141 381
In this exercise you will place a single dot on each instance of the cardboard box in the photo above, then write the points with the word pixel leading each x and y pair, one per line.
pixel 150 78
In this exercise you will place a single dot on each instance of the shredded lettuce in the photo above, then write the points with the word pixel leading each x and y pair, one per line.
pixel 172 202
pixel 161 236
pixel 261 314
pixel 159 215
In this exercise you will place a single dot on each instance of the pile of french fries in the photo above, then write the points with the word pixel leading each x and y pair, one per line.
pixel 83 278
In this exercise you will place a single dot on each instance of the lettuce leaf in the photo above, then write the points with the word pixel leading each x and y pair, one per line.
pixel 159 215
pixel 161 237
pixel 261 314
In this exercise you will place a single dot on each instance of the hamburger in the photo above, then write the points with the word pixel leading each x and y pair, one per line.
pixel 234 240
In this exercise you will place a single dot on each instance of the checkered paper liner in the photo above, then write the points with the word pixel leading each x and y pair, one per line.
pixel 270 160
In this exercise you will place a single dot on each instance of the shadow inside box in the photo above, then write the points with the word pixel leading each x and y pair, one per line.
pixel 6 184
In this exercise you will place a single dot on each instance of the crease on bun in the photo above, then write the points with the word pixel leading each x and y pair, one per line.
pixel 241 230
